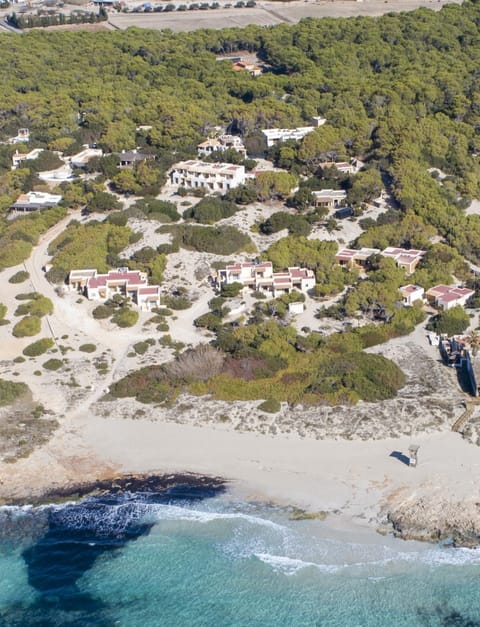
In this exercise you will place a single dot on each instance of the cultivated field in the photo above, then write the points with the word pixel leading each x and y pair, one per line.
pixel 267 14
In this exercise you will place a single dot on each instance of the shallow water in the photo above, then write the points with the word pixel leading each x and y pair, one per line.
pixel 181 559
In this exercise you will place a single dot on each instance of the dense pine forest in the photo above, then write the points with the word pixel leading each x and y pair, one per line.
pixel 402 90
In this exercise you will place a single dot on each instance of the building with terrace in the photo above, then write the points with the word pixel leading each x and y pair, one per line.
pixel 34 201
pixel 277 135
pixel 449 296
pixel 406 258
pixel 22 136
pixel 329 198
pixel 221 144
pixel 132 284
pixel 411 294
pixel 261 277
pixel 213 177
pixel 128 158
pixel 352 257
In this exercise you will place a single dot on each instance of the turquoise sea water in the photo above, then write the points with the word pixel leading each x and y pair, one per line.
pixel 182 559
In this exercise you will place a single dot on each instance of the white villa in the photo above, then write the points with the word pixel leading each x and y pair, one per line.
pixel 34 201
pixel 22 136
pixel 261 277
pixel 406 258
pixel 130 283
pixel 276 135
pixel 18 158
pixel 329 198
pixel 214 177
pixel 346 167
pixel 411 293
pixel 221 144
pixel 449 296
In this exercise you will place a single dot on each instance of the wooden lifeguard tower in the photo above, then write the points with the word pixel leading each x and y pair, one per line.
pixel 413 454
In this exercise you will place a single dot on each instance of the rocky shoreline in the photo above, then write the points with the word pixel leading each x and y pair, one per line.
pixel 147 483
pixel 434 520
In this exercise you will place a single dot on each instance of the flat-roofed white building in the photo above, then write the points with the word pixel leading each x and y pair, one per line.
pixel 214 177
pixel 34 201
pixel 18 158
pixel 411 293
pixel 221 144
pixel 276 135
pixel 329 198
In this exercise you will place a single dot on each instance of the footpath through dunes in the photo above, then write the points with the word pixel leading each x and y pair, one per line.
pixel 267 13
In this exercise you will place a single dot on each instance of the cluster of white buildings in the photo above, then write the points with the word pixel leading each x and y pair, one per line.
pixel 214 177
pixel 132 284
pixel 261 277
pixel 441 296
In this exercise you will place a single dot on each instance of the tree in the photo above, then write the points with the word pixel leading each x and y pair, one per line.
pixel 452 321
pixel 103 201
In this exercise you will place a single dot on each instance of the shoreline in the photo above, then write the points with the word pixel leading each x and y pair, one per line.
pixel 358 484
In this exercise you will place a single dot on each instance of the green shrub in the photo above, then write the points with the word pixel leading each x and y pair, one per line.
pixel 19 360
pixel 10 391
pixel 26 296
pixel 222 240
pixel 271 406
pixel 38 348
pixel 19 277
pixel 176 302
pixel 57 275
pixel 3 311
pixel 39 306
pixel 26 327
pixel 87 348
pixel 210 210
pixel 53 364
pixel 141 348
pixel 102 311
pixel 231 290
pixel 125 317
pixel 452 322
